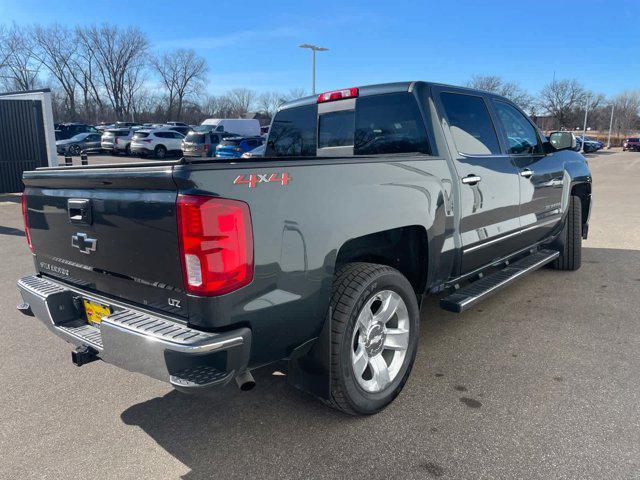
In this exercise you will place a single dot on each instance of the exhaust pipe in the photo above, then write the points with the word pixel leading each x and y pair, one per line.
pixel 245 381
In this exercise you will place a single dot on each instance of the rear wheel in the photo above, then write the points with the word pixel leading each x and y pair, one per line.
pixel 127 150
pixel 570 241
pixel 160 152
pixel 374 337
pixel 75 149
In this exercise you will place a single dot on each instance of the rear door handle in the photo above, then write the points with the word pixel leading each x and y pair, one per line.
pixel 526 173
pixel 471 179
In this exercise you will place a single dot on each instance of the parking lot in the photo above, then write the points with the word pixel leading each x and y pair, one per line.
pixel 538 382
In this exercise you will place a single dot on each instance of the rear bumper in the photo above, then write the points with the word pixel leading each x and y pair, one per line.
pixel 137 340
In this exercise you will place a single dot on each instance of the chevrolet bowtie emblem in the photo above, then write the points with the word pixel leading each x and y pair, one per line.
pixel 84 243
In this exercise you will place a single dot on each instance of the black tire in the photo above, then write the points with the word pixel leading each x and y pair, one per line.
pixel 353 286
pixel 160 152
pixel 570 240
pixel 127 150
pixel 75 149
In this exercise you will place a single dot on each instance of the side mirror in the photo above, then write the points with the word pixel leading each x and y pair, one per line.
pixel 562 140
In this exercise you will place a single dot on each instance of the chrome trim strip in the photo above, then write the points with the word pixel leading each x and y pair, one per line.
pixel 509 235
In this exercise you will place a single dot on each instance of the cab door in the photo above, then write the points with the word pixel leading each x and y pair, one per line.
pixel 541 176
pixel 489 184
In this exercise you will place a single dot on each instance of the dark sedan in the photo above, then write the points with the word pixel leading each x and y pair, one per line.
pixel 79 143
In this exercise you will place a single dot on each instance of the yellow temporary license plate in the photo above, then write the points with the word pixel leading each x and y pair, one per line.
pixel 95 311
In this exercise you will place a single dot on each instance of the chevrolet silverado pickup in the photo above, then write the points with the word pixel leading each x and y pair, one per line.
pixel 316 256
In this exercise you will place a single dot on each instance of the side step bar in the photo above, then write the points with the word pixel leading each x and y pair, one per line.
pixel 466 297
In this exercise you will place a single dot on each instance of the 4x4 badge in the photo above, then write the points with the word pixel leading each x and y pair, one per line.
pixel 83 243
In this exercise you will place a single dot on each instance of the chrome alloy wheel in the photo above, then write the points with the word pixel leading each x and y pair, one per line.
pixel 380 341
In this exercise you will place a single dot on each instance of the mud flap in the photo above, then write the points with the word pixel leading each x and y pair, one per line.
pixel 309 366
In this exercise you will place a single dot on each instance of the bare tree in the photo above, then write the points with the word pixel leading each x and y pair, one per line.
pixel 183 74
pixel 241 101
pixel 54 48
pixel 269 102
pixel 21 70
pixel 627 111
pixel 119 56
pixel 560 97
pixel 510 90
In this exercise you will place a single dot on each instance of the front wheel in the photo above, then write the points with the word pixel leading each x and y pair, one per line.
pixel 374 337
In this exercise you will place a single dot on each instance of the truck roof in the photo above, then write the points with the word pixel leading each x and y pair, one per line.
pixel 378 89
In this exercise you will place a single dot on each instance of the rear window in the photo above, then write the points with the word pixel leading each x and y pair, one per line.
pixel 293 133
pixel 194 137
pixel 388 124
pixel 335 129
pixel 141 135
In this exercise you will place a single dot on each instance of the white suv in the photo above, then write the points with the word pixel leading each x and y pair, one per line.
pixel 117 140
pixel 158 143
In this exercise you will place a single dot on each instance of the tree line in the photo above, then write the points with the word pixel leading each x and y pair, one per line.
pixel 106 73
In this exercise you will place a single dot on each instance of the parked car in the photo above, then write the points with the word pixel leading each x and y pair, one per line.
pixel 158 143
pixel 201 142
pixel 631 143
pixel 256 152
pixel 82 142
pixel 375 197
pixel 64 131
pixel 234 147
pixel 117 140
pixel 238 126
pixel 177 124
pixel 590 146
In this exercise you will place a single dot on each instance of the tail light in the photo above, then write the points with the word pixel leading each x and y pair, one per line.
pixel 26 222
pixel 117 140
pixel 337 95
pixel 216 244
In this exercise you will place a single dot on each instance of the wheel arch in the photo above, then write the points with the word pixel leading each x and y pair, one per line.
pixel 404 248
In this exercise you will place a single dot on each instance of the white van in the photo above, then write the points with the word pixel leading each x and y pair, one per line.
pixel 239 126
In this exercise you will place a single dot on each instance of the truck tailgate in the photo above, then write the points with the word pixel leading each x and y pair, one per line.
pixel 110 230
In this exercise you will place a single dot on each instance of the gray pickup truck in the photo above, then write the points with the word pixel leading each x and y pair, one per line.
pixel 197 271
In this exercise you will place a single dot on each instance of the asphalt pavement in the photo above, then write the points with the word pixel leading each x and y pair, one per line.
pixel 538 382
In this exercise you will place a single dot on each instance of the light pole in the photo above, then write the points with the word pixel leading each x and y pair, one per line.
pixel 314 49
pixel 584 129
pixel 610 126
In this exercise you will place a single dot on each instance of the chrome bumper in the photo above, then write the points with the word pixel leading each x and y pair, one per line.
pixel 137 340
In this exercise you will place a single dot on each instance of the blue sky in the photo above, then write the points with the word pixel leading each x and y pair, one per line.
pixel 254 44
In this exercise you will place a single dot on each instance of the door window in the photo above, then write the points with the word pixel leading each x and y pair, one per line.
pixel 470 124
pixel 387 124
pixel 521 136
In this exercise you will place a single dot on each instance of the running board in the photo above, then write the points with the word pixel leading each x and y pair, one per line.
pixel 466 297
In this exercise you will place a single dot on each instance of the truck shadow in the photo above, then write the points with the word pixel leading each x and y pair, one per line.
pixel 261 433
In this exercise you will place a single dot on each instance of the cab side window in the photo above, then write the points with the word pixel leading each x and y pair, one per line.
pixel 470 124
pixel 521 136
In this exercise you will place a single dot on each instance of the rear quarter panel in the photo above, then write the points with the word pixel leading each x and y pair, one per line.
pixel 299 228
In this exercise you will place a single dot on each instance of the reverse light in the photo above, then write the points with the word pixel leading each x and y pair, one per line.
pixel 26 222
pixel 216 244
pixel 337 95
